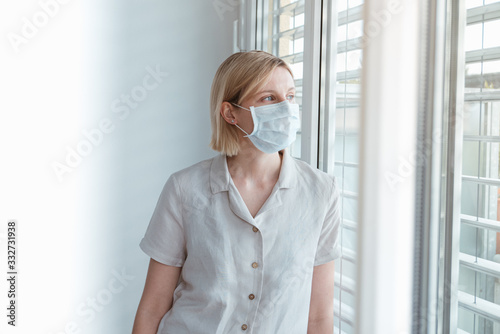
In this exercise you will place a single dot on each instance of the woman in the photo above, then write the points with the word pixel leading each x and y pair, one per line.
pixel 244 242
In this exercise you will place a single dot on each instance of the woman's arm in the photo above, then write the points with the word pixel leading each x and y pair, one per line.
pixel 321 308
pixel 157 297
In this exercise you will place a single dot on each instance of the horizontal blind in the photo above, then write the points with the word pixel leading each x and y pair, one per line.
pixel 479 275
pixel 347 90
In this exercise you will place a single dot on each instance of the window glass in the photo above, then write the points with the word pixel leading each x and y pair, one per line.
pixel 346 150
pixel 479 274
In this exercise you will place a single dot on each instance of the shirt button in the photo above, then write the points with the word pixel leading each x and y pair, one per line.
pixel 244 327
pixel 255 265
pixel 255 229
pixel 251 296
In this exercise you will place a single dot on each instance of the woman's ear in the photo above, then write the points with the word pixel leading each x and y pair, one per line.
pixel 226 111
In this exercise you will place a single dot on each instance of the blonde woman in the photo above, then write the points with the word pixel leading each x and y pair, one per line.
pixel 244 242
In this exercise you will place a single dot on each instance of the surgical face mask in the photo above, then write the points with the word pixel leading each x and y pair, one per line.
pixel 275 126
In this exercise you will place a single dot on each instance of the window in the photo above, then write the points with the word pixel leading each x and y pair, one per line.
pixel 479 271
pixel 345 116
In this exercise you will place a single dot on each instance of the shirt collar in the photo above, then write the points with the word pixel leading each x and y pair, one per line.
pixel 219 174
pixel 220 177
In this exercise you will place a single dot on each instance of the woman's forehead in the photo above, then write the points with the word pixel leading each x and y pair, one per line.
pixel 280 79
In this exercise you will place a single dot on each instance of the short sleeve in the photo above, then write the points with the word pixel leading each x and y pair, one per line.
pixel 164 239
pixel 328 245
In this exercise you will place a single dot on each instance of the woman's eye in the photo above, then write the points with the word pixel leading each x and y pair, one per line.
pixel 267 98
pixel 290 97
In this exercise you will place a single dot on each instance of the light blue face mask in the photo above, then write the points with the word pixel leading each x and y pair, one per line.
pixel 275 125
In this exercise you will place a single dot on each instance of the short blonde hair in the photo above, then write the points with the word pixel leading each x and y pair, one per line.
pixel 238 77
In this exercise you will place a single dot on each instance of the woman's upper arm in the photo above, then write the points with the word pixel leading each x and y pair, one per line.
pixel 322 292
pixel 159 289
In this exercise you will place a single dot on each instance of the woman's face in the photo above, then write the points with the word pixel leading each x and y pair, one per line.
pixel 280 87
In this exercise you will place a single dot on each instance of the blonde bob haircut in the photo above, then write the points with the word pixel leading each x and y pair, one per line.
pixel 238 77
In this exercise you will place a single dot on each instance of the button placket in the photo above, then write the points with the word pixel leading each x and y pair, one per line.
pixel 255 295
pixel 254 265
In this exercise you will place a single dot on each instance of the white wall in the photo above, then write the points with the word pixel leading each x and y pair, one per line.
pixel 81 229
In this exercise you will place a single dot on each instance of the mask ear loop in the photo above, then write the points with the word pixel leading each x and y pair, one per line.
pixel 237 124
pixel 242 130
pixel 234 104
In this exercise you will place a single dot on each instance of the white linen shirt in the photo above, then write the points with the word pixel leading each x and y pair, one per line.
pixel 242 274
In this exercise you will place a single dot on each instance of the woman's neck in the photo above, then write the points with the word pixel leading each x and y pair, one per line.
pixel 252 164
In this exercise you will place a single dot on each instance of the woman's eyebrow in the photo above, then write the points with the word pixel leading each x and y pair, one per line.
pixel 273 91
